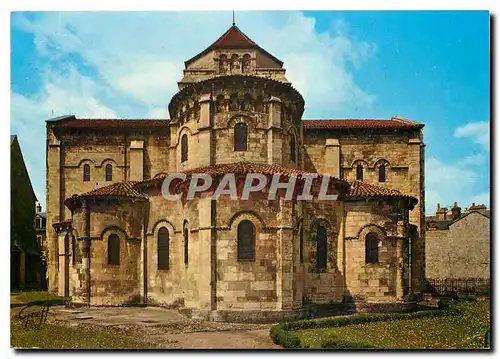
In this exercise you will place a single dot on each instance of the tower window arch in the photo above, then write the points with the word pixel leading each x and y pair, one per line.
pixel 223 64
pixel 246 63
pixel 246 240
pixel 321 248
pixel 371 248
pixel 293 149
pixel 382 173
pixel 235 62
pixel 240 136
pixel 86 173
pixel 113 249
pixel 109 172
pixel 163 248
pixel 184 148
pixel 359 172
pixel 186 243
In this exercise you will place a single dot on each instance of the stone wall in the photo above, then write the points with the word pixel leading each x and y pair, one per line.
pixel 373 281
pixel 247 284
pixel 462 251
pixel 402 152
pixel 110 284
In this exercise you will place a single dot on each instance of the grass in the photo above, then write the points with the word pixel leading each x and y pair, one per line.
pixel 54 336
pixel 35 296
pixel 466 330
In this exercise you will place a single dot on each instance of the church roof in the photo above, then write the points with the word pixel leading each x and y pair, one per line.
pixel 241 168
pixel 394 122
pixel 233 38
pixel 73 122
pixel 120 189
pixel 359 189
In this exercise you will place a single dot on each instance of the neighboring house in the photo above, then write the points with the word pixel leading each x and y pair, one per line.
pixel 458 243
pixel 40 226
pixel 113 238
pixel 25 250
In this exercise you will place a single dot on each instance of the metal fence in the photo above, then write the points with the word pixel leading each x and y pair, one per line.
pixel 457 286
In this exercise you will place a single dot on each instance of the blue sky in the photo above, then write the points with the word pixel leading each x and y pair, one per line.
pixel 432 67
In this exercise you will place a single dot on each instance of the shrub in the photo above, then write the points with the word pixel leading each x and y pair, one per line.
pixel 285 338
pixel 284 333
pixel 446 304
pixel 335 343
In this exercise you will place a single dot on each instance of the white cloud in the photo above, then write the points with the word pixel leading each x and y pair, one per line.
pixel 479 132
pixel 65 92
pixel 137 58
pixel 449 183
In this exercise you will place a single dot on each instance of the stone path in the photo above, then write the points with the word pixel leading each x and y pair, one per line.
pixel 167 328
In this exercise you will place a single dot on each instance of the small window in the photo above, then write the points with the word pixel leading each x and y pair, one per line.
pixel 240 137
pixel 371 248
pixel 293 154
pixel 223 64
pixel 86 173
pixel 113 249
pixel 359 173
pixel 301 244
pixel 73 249
pixel 163 248
pixel 109 173
pixel 235 64
pixel 246 240
pixel 186 244
pixel 381 173
pixel 321 249
pixel 246 63
pixel 184 148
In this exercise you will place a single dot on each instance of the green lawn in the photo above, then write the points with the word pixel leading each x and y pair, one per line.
pixel 32 296
pixel 462 331
pixel 50 336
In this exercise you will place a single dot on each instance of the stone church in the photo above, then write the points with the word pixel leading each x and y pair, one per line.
pixel 114 239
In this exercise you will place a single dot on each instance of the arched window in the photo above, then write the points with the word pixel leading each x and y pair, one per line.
pixel 246 240
pixel 109 173
pixel 223 64
pixel 163 248
pixel 301 244
pixel 246 63
pixel 371 248
pixel 184 148
pixel 113 249
pixel 293 145
pixel 86 173
pixel 235 62
pixel 240 137
pixel 359 172
pixel 381 173
pixel 321 249
pixel 73 249
pixel 186 244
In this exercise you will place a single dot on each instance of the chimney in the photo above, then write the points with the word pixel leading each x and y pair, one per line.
pixel 38 207
pixel 441 213
pixel 456 211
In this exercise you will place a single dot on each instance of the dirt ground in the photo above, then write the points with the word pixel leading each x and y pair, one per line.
pixel 167 328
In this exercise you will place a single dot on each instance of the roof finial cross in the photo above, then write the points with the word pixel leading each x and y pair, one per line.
pixel 233 19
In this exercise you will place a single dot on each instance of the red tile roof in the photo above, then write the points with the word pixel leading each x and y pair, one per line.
pixel 360 189
pixel 241 168
pixel 119 189
pixel 233 38
pixel 96 123
pixel 394 122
